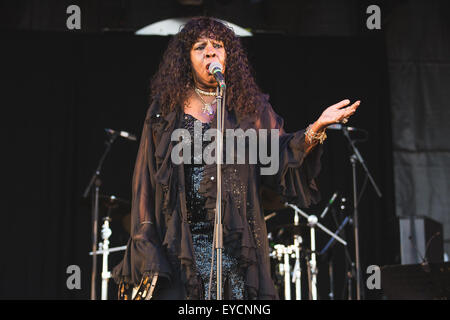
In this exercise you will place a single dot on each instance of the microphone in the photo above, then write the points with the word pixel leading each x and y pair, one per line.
pixel 338 126
pixel 123 134
pixel 215 68
pixel 333 197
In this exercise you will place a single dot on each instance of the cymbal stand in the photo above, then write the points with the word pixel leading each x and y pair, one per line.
pixel 106 233
pixel 105 250
pixel 95 180
pixel 313 223
pixel 284 252
pixel 297 272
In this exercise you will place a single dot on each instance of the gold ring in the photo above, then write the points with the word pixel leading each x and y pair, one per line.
pixel 345 120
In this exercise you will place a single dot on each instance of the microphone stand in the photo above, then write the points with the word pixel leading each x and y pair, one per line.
pixel 218 219
pixel 356 156
pixel 95 180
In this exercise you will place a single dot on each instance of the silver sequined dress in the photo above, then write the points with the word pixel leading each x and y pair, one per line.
pixel 202 230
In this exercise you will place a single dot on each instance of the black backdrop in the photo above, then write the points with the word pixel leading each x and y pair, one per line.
pixel 61 90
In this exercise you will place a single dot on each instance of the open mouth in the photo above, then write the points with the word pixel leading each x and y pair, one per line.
pixel 207 66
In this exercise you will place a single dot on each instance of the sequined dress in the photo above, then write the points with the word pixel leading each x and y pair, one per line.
pixel 201 229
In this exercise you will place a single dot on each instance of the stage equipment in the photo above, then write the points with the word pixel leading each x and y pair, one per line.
pixel 96 181
pixel 421 240
pixel 173 26
pixel 283 253
pixel 218 226
pixel 356 156
pixel 328 248
pixel 215 68
pixel 297 274
pixel 104 250
pixel 123 134
pixel 338 126
pixel 312 263
pixel 416 281
pixel 330 203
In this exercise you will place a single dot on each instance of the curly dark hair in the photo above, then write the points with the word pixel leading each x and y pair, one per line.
pixel 171 84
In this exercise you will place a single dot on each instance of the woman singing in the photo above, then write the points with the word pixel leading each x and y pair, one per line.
pixel 173 205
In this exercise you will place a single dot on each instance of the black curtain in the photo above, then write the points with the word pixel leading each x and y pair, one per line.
pixel 63 89
pixel 418 42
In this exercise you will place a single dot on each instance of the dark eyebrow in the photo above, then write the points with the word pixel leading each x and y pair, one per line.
pixel 204 42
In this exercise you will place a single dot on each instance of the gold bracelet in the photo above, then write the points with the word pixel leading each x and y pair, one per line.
pixel 311 135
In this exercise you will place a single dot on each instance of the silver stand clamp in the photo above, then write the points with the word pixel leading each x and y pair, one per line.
pixel 105 251
pixel 313 223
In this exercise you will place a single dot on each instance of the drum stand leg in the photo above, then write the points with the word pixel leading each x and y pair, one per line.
pixel 331 276
pixel 106 233
pixel 313 265
pixel 297 274
pixel 287 275
pixel 105 250
pixel 308 263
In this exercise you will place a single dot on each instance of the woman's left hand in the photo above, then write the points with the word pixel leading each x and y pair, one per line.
pixel 337 113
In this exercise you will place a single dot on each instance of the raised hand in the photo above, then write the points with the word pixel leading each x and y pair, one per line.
pixel 337 113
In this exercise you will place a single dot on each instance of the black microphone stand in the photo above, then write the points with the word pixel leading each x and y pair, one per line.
pixel 356 156
pixel 95 180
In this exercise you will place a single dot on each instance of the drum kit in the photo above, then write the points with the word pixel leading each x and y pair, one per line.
pixel 288 249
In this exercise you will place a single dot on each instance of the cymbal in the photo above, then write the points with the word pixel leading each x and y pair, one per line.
pixel 111 201
pixel 108 201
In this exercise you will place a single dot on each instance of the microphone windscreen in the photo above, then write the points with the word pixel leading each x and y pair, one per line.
pixel 215 66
